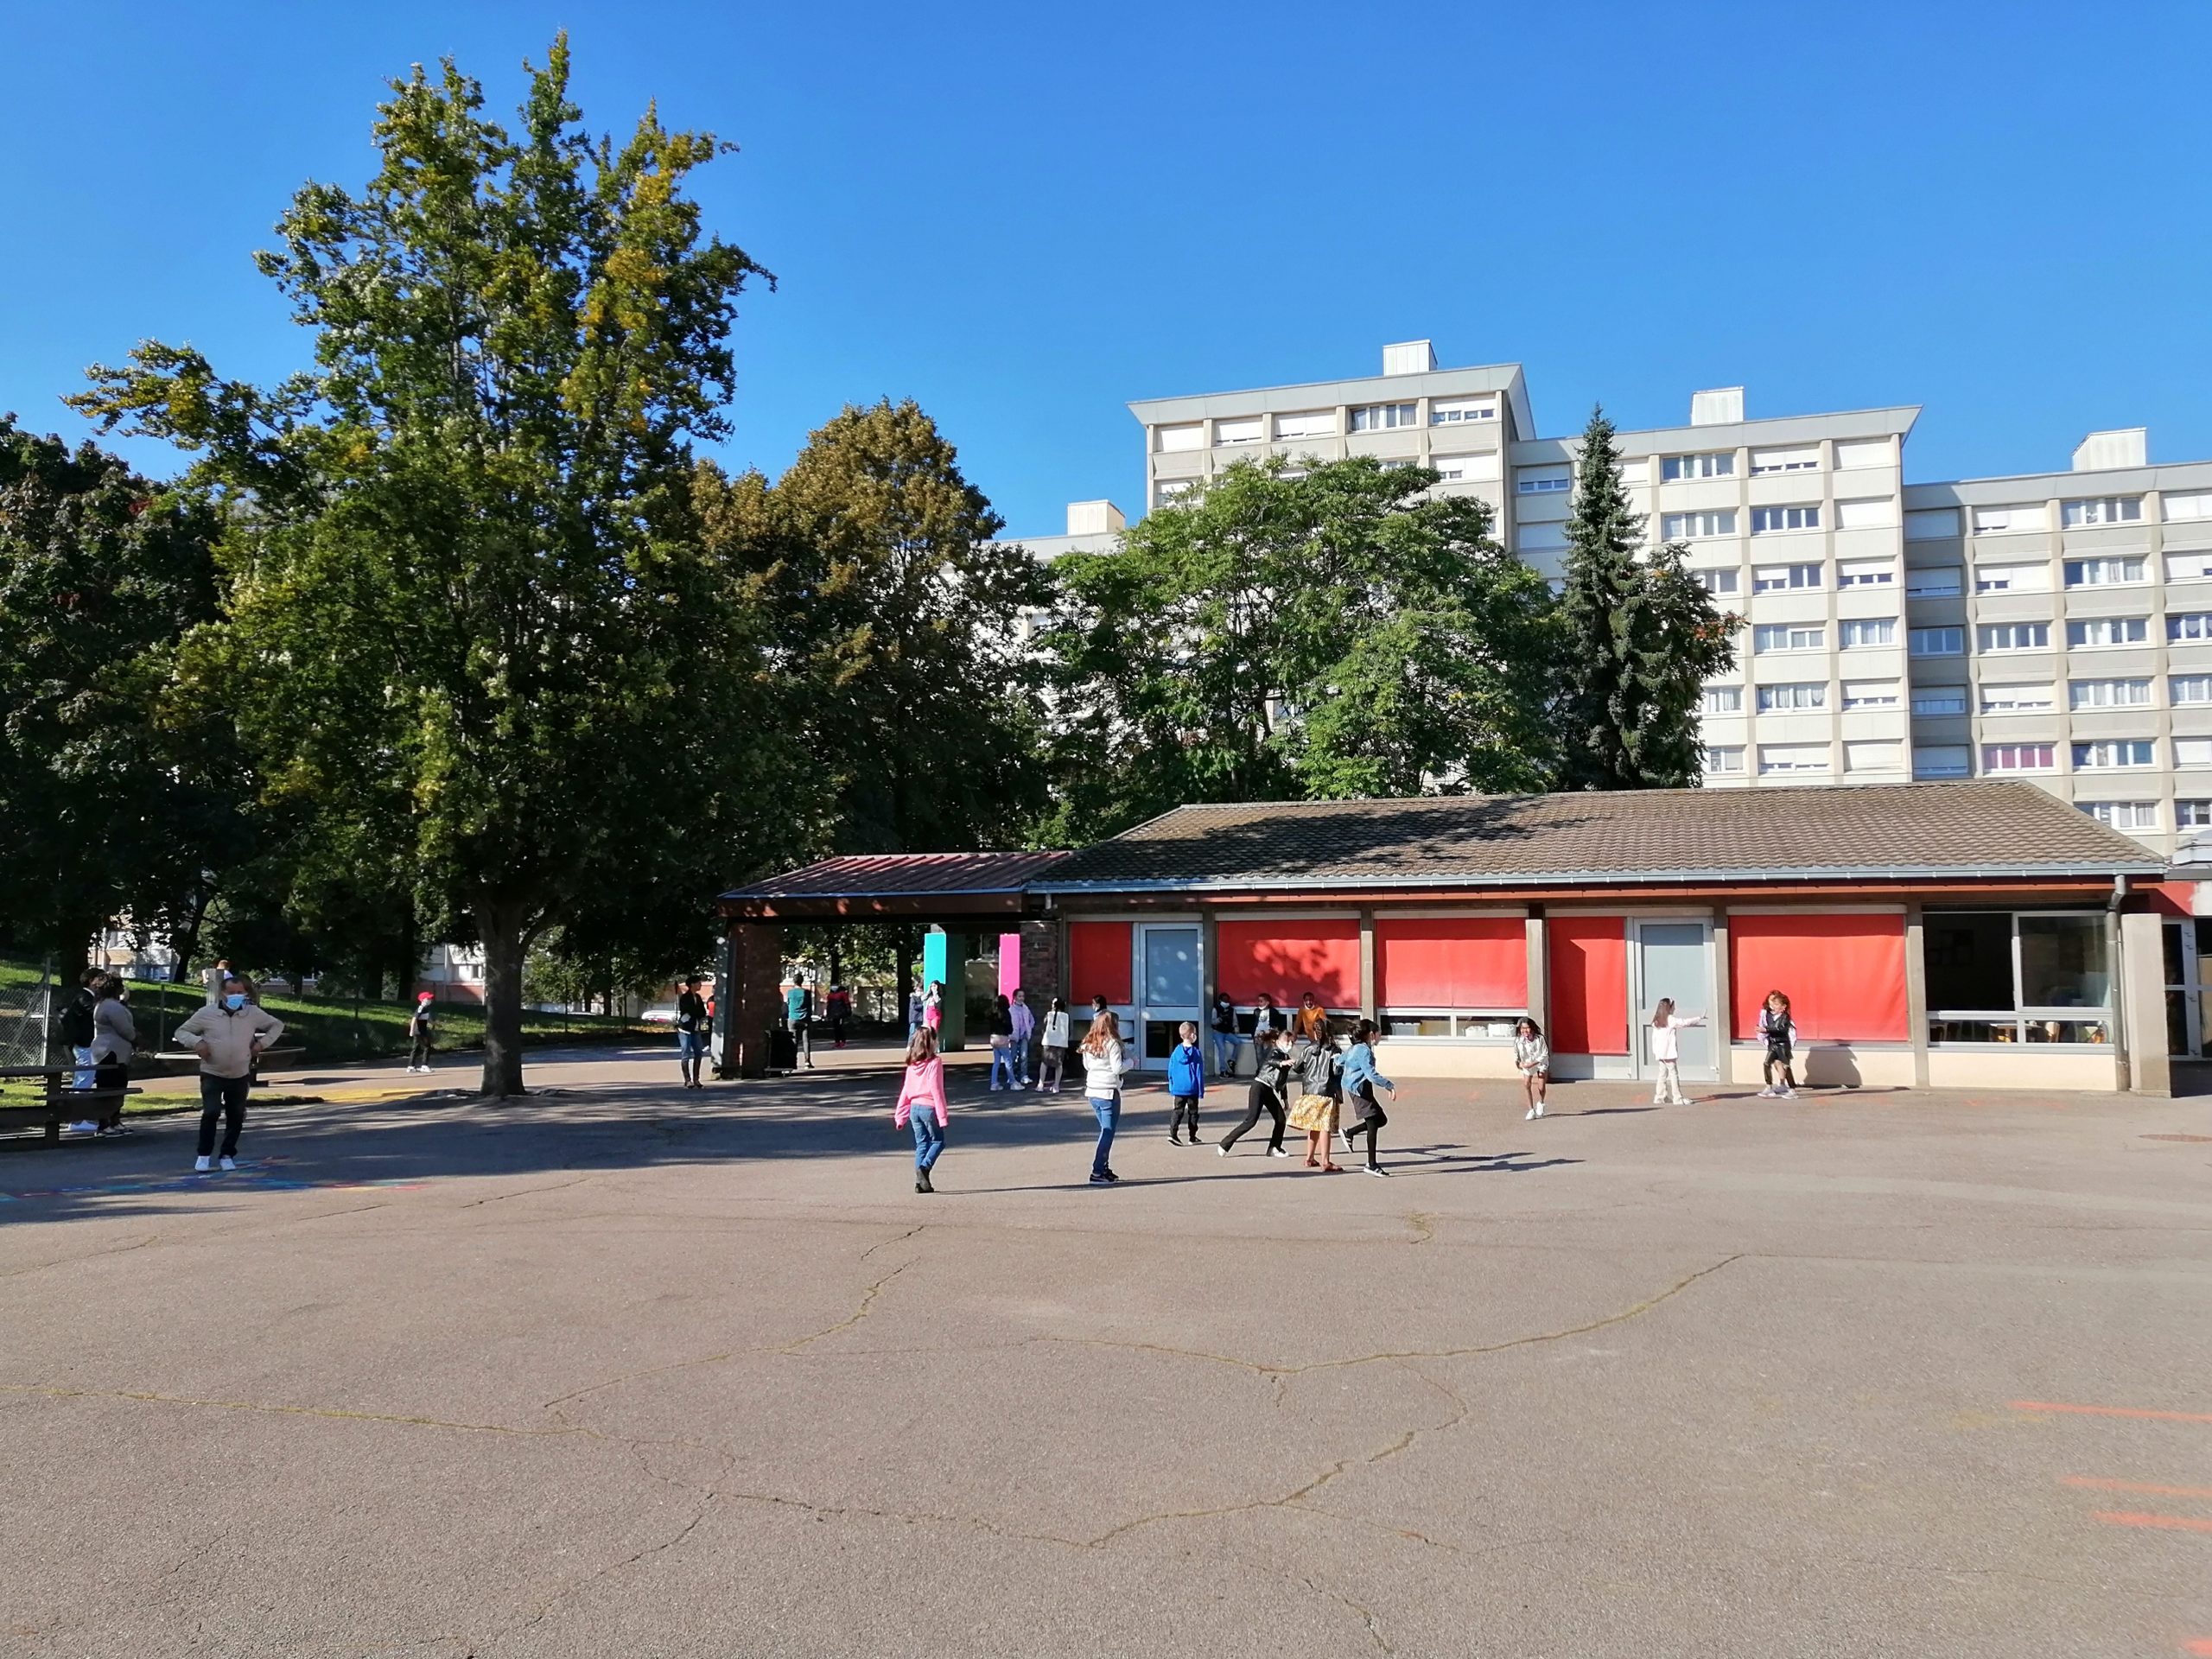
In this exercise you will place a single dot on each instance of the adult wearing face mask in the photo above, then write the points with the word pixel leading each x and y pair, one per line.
pixel 229 1037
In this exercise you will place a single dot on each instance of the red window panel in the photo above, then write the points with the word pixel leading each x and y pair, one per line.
pixel 1451 962
pixel 1098 958
pixel 1844 974
pixel 1287 959
pixel 1589 984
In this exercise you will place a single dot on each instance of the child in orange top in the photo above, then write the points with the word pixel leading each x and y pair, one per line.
pixel 921 1104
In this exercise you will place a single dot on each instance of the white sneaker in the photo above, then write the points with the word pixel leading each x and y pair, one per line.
pixel 1786 1094
pixel 201 1166
pixel 1221 1151
pixel 87 1127
pixel 228 1163
pixel 1529 1117
pixel 1278 1152
pixel 1376 1169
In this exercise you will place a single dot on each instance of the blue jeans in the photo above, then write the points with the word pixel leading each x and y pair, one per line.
pixel 1109 1117
pixel 83 1058
pixel 1224 1053
pixel 1020 1052
pixel 1002 1072
pixel 929 1137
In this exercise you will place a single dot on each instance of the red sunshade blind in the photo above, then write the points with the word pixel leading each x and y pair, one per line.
pixel 1844 974
pixel 1451 962
pixel 1099 962
pixel 1287 959
pixel 1589 984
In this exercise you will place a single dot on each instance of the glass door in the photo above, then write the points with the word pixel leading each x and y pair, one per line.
pixel 1675 959
pixel 1169 983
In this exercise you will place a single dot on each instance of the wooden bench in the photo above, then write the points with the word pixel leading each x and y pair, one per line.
pixel 62 1102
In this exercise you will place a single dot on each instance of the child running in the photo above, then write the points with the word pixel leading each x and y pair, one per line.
pixel 1667 1051
pixel 1270 1083
pixel 1781 1033
pixel 1103 1062
pixel 921 1105
pixel 1361 1080
pixel 1186 1083
pixel 1532 1057
pixel 1316 1111
pixel 1054 1051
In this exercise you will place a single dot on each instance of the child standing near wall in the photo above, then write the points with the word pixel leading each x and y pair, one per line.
pixel 1667 1051
pixel 1186 1083
pixel 1053 1052
pixel 921 1105
pixel 1780 1032
pixel 1532 1058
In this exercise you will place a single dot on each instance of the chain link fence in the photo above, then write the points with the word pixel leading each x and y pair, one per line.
pixel 26 1015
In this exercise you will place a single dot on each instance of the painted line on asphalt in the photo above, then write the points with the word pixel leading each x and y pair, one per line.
pixel 2162 1522
pixel 2115 1411
pixel 2097 1484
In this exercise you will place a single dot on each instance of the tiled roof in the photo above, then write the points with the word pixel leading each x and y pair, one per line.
pixel 1965 829
pixel 872 875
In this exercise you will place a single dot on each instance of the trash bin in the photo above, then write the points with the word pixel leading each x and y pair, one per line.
pixel 783 1049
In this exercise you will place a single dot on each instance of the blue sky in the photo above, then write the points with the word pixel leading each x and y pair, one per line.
pixel 1025 215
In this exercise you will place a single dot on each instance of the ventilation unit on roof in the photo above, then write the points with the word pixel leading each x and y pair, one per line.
pixel 1722 406
pixel 1094 518
pixel 1408 357
pixel 2124 448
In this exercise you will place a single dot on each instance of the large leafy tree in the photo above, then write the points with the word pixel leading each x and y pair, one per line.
pixel 1344 633
pixel 473 625
pixel 1642 639
pixel 116 797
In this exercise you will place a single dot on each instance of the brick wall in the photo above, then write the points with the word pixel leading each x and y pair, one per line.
pixel 756 988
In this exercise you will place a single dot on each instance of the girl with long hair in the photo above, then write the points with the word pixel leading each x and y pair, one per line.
pixel 1361 1081
pixel 1103 1063
pixel 1532 1058
pixel 921 1105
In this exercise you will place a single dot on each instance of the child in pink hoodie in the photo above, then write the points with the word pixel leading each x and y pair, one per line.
pixel 921 1104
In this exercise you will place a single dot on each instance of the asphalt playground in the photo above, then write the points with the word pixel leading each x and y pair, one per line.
pixel 623 1370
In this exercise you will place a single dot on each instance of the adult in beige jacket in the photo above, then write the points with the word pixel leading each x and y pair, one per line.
pixel 228 1035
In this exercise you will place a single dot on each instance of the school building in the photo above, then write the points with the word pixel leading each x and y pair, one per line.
pixel 1975 934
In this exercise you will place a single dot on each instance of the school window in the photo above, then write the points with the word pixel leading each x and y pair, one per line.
pixel 1936 642
pixel 1777 699
pixel 1999 976
pixel 2013 636
pixel 1781 578
pixel 1869 631
pixel 1870 693
pixel 2102 510
pixel 2019 757
pixel 2012 578
pixel 1542 480
pixel 1939 700
pixel 1383 418
pixel 1765 521
pixel 1722 700
pixel 2193 751
pixel 1792 757
pixel 1311 424
pixel 2112 754
pixel 2110 630
pixel 2108 694
pixel 2102 573
pixel 2015 699
pixel 1719 464
pixel 1767 461
pixel 1695 526
pixel 1724 759
pixel 1721 584
pixel 2189 625
pixel 1940 760
pixel 2123 815
pixel 1938 582
pixel 1244 429
pixel 1787 636
pixel 1866 573
pixel 1452 411
pixel 2184 690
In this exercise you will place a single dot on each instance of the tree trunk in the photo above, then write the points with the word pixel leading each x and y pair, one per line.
pixel 501 927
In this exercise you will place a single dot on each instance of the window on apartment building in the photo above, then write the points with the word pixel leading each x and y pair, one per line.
pixel 1722 700
pixel 1930 524
pixel 1542 480
pixel 1539 538
pixel 1799 695
pixel 1468 469
pixel 2108 694
pixel 1695 526
pixel 1173 440
pixel 2123 815
pixel 1309 423
pixel 2002 521
pixel 1788 636
pixel 1862 452
pixel 2189 567
pixel 2012 578
pixel 1765 521
pixel 2017 699
pixel 2183 626
pixel 1870 693
pixel 2193 815
pixel 2102 573
pixel 1866 573
pixel 1934 582
pixel 2013 636
pixel 1782 578
pixel 2194 504
pixel 2185 689
pixel 1173 489
pixel 1792 757
pixel 1720 463
pixel 1452 411
pixel 1725 759
pixel 2090 632
pixel 1936 642
pixel 2019 757
pixel 1874 513
pixel 1857 632
pixel 2101 510
pixel 1870 757
pixel 1245 428
pixel 2193 751
pixel 1940 761
pixel 1384 417
pixel 1722 583
pixel 1939 700
pixel 1804 460
pixel 2112 754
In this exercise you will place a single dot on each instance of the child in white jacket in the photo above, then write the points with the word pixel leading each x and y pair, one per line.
pixel 1103 1062
pixel 1052 1052
pixel 1667 1050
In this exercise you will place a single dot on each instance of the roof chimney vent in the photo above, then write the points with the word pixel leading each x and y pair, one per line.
pixel 1094 518
pixel 1722 406
pixel 2126 448
pixel 1409 357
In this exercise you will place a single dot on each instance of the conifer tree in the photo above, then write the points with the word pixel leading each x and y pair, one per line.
pixel 1642 638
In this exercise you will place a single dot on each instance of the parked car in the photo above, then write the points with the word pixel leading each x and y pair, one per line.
pixel 659 1016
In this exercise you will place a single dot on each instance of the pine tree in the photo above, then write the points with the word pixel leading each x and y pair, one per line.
pixel 1642 638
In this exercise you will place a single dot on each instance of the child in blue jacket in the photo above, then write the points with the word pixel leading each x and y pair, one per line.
pixel 1361 1081
pixel 1186 1083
